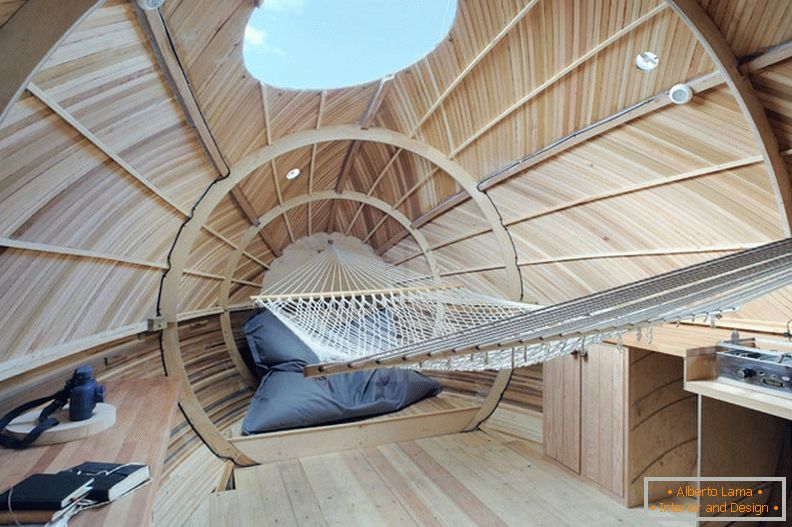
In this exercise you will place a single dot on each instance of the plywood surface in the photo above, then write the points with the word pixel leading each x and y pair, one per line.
pixel 145 410
pixel 472 479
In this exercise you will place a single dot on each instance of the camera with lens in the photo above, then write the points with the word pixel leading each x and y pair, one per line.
pixel 84 393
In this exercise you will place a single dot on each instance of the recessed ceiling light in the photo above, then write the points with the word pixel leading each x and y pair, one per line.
pixel 292 174
pixel 680 94
pixel 646 61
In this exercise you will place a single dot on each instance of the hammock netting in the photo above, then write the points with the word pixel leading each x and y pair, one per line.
pixel 358 312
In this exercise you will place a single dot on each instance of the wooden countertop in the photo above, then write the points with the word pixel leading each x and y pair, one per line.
pixel 745 395
pixel 678 340
pixel 145 409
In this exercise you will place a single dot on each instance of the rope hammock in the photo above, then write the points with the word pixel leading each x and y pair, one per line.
pixel 358 312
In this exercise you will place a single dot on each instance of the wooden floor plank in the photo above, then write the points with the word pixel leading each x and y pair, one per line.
pixel 515 422
pixel 264 492
pixel 491 477
pixel 376 489
pixel 341 498
pixel 301 495
pixel 416 490
pixel 503 490
pixel 454 489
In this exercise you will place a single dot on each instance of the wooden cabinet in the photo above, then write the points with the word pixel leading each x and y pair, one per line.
pixel 615 416
pixel 561 410
pixel 584 414
pixel 602 415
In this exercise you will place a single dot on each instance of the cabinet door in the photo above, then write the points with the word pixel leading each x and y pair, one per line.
pixel 602 409
pixel 561 410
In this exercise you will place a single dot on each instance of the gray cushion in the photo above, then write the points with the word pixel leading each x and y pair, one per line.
pixel 273 345
pixel 286 399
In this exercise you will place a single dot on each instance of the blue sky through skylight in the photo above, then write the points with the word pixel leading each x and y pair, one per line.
pixel 322 44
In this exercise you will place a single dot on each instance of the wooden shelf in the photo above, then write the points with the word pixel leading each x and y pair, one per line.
pixel 744 395
pixel 145 408
pixel 680 340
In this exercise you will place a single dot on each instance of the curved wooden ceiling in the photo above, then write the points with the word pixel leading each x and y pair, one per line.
pixel 102 166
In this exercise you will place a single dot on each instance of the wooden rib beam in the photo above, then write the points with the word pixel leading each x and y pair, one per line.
pixel 438 210
pixel 365 121
pixel 343 175
pixel 28 38
pixel 604 256
pixel 373 186
pixel 238 196
pixel 46 248
pixel 72 121
pixel 346 166
pixel 418 184
pixel 273 166
pixel 473 63
pixel 641 254
pixel 655 103
pixel 522 101
pixel 162 45
pixel 322 99
pixel 233 351
pixel 77 253
pixel 494 396
pixel 648 185
pixel 769 57
pixel 711 39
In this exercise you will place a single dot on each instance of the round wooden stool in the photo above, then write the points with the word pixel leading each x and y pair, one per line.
pixel 104 416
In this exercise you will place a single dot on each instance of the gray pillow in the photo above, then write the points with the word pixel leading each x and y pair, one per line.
pixel 286 399
pixel 274 346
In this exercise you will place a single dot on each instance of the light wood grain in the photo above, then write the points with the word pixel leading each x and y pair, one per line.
pixel 136 437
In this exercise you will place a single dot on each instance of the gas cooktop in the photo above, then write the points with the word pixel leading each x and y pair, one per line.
pixel 765 363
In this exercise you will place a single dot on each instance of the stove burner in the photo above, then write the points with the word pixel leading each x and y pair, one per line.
pixel 764 368
pixel 748 354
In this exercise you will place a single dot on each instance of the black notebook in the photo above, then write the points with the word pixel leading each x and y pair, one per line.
pixel 111 480
pixel 46 492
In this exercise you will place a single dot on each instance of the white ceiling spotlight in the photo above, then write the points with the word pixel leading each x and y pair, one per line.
pixel 646 61
pixel 680 94
pixel 150 5
pixel 292 174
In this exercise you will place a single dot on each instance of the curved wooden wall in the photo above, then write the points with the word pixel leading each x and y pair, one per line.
pixel 102 166
pixel 583 175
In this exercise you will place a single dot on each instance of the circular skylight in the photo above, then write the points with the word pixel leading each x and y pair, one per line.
pixel 319 44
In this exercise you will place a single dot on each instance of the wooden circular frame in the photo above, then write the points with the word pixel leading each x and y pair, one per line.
pixel 224 289
pixel 172 360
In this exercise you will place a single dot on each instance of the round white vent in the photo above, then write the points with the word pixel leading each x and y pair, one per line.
pixel 680 94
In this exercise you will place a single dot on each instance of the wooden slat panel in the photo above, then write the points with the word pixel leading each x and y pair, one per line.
pixel 561 411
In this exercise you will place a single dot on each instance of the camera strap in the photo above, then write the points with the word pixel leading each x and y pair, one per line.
pixel 45 422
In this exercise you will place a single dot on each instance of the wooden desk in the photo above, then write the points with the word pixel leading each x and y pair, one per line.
pixel 145 410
